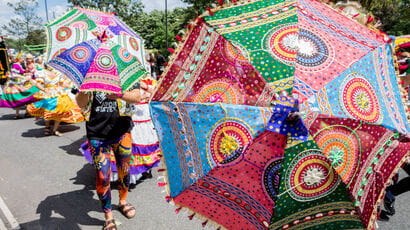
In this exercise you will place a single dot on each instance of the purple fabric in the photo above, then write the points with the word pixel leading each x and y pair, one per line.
pixel 136 150
pixel 14 104
pixel 120 26
pixel 76 61
pixel 144 150
pixel 17 66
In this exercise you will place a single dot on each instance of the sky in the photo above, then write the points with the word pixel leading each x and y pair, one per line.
pixel 57 7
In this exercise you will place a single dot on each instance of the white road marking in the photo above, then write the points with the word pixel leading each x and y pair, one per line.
pixel 2 225
pixel 9 216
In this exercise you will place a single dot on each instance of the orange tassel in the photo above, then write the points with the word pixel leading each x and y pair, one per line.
pixel 204 223
pixel 171 50
pixel 161 170
pixel 220 2
pixel 162 184
pixel 177 37
pixel 168 198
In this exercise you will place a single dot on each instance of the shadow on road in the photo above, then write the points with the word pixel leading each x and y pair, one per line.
pixel 74 147
pixel 40 131
pixel 67 211
pixel 11 117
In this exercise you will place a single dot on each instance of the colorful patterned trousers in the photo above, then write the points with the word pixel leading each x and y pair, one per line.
pixel 100 152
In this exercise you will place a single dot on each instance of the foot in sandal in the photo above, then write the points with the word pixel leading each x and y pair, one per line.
pixel 57 133
pixel 127 209
pixel 110 225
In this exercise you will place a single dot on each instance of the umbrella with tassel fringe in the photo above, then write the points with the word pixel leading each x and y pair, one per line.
pixel 244 53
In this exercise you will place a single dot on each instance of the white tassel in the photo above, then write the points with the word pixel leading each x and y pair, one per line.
pixel 160 178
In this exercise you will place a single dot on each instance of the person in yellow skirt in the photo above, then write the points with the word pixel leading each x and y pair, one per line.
pixel 54 102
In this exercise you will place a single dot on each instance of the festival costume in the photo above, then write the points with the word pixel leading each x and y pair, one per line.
pixel 108 131
pixel 19 89
pixel 4 62
pixel 100 151
pixel 54 104
pixel 145 153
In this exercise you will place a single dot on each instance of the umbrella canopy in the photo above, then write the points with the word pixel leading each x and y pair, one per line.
pixel 334 170
pixel 214 161
pixel 96 50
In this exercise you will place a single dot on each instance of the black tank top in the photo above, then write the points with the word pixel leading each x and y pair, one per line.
pixel 105 122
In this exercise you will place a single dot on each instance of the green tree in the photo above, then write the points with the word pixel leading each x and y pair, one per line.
pixel 393 14
pixel 25 23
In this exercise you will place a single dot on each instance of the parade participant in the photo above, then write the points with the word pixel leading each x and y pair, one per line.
pixel 20 89
pixel 39 64
pixel 152 61
pixel 108 129
pixel 4 62
pixel 160 64
pixel 397 188
pixel 30 67
pixel 55 104
pixel 145 153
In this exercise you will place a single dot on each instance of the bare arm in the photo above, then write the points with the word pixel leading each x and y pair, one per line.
pixel 82 99
pixel 133 96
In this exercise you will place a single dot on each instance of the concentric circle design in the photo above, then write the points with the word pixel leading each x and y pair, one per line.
pixel 282 43
pixel 134 43
pixel 80 54
pixel 105 62
pixel 219 91
pixel 310 176
pixel 271 177
pixel 359 99
pixel 226 140
pixel 236 54
pixel 124 55
pixel 63 33
pixel 58 52
pixel 342 146
pixel 80 24
pixel 314 54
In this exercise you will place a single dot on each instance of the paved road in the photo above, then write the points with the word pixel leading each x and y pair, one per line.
pixel 48 185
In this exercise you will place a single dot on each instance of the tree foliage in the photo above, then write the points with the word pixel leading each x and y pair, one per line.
pixel 393 14
pixel 26 23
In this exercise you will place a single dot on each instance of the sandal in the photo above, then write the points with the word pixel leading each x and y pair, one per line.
pixel 16 117
pixel 125 210
pixel 47 131
pixel 57 133
pixel 111 227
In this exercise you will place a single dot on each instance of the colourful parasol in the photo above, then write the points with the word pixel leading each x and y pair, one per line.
pixel 209 169
pixel 334 167
pixel 96 50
